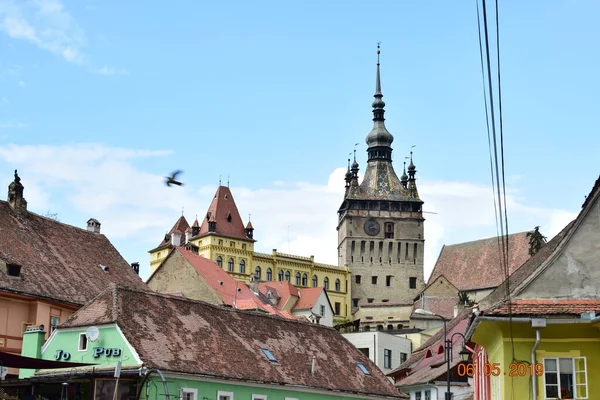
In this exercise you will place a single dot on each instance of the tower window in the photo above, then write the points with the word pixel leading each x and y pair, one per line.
pixel 315 281
pixel 399 251
pixel 370 300
pixel 298 279
pixel 230 265
pixel 257 272
pixel 406 252
pixel 374 280
pixel 304 280
pixel 269 274
pixel 220 261
pixel 326 283
pixel 415 253
pixel 337 285
pixel 388 280
pixel 337 307
pixel 242 266
pixel 280 275
pixel 357 278
pixel 412 282
pixel 389 230
pixel 354 302
pixel 231 244
pixel 287 276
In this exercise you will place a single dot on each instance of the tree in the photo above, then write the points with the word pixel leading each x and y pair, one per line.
pixel 53 216
pixel 536 240
pixel 463 298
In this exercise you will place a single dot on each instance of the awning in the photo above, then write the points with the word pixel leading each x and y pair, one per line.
pixel 17 361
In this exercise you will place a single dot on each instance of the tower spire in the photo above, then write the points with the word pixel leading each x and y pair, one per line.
pixel 378 104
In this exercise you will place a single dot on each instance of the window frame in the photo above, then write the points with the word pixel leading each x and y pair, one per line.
pixel 338 285
pixel 79 347
pixel 54 326
pixel 269 274
pixel 326 283
pixel 230 264
pixel 287 276
pixel 298 278
pixel 571 356
pixel 387 358
pixel 323 309
pixel 259 396
pixel 315 281
pixel 219 261
pixel 242 265
pixel 223 393
pixel 193 391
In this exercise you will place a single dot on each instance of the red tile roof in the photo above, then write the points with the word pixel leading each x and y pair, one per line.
pixel 477 264
pixel 308 298
pixel 224 212
pixel 443 306
pixel 194 337
pixel 283 290
pixel 181 226
pixel 232 292
pixel 58 261
pixel 547 307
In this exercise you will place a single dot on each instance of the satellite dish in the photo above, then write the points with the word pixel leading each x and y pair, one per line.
pixel 92 333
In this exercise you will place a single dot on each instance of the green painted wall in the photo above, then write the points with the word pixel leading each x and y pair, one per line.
pixel 68 341
pixel 208 391
pixel 572 340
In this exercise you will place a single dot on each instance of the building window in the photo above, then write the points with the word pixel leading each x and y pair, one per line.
pixel 258 273
pixel 304 280
pixel 403 357
pixel 354 302
pixel 230 265
pixel 224 395
pixel 243 246
pixel 189 394
pixel 220 261
pixel 418 395
pixel 387 358
pixel 428 394
pixel 315 281
pixel 287 275
pixel 415 253
pixel 337 285
pixel 220 242
pixel 390 327
pixel 291 398
pixel 565 378
pixel 242 267
pixel 367 328
pixel 379 327
pixel 388 280
pixel 374 280
pixel 298 279
pixel 357 278
pixel 326 283
pixel 280 275
pixel 337 308
pixel 259 397
pixel 83 342
pixel 231 244
pixel 389 230
pixel 54 322
pixel 322 310
pixel 412 282
pixel 370 300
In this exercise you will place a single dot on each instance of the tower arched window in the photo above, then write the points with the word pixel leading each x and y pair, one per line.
pixel 220 261
pixel 280 275
pixel 304 280
pixel 326 283
pixel 287 276
pixel 298 279
pixel 269 274
pixel 230 265
pixel 242 267
pixel 315 281
pixel 337 285
pixel 257 272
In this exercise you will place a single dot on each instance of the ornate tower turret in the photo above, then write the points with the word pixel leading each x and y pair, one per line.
pixel 15 195
pixel 380 228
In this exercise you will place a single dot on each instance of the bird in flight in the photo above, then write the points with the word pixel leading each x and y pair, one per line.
pixel 171 180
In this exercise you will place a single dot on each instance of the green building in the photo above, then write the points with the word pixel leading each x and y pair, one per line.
pixel 145 345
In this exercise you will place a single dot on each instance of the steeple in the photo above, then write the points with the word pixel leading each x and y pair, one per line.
pixel 348 177
pixel 15 195
pixel 354 172
pixel 412 182
pixel 379 140
pixel 404 177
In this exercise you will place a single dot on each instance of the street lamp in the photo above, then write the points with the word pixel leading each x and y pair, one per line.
pixel 420 311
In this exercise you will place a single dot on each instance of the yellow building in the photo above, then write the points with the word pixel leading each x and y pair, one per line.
pixel 222 237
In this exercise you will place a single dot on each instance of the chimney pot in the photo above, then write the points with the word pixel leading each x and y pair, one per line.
pixel 136 267
pixel 93 225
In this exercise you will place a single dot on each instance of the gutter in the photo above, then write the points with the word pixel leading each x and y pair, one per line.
pixel 533 376
pixel 549 321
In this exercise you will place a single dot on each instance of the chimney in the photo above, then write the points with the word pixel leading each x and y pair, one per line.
pixel 254 283
pixel 188 235
pixel 33 340
pixel 93 225
pixel 176 238
pixel 15 195
pixel 136 267
pixel 458 309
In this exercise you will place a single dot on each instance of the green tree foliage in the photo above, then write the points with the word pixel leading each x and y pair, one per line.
pixel 536 240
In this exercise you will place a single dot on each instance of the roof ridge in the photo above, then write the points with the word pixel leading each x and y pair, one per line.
pixel 488 238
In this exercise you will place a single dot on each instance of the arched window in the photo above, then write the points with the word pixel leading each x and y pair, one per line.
pixel 287 275
pixel 220 261
pixel 440 349
pixel 242 267
pixel 379 327
pixel 230 265
pixel 367 328
pixel 298 278
pixel 304 280
pixel 315 281
pixel 337 285
pixel 280 275
pixel 257 273
pixel 269 274
pixel 390 327
pixel 326 283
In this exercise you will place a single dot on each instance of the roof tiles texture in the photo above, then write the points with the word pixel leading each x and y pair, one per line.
pixel 477 264
pixel 59 261
pixel 224 212
pixel 443 306
pixel 180 335
pixel 547 307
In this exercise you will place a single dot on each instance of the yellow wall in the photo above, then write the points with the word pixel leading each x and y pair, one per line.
pixel 213 246
pixel 568 340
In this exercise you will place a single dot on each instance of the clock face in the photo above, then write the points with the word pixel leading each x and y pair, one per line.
pixel 371 227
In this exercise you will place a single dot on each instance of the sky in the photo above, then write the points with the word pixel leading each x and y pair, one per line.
pixel 99 100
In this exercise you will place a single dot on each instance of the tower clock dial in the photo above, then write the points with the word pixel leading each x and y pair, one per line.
pixel 371 227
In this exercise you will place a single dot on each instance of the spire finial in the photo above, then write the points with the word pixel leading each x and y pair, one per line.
pixel 227 180
pixel 378 52
pixel 249 216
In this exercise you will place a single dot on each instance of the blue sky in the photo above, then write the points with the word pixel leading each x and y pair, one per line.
pixel 100 99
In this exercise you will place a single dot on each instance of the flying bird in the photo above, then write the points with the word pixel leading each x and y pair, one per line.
pixel 171 180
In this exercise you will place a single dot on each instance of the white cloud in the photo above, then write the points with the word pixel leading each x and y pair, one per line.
pixel 136 208
pixel 111 71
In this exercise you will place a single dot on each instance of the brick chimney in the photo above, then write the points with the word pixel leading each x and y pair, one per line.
pixel 93 225
pixel 254 283
pixel 136 267
pixel 15 195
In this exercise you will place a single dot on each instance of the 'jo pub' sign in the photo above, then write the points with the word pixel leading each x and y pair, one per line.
pixel 97 352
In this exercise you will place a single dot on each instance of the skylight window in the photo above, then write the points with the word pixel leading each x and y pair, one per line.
pixel 363 369
pixel 270 356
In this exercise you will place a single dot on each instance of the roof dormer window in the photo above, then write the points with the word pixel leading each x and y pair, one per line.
pixel 13 270
pixel 269 355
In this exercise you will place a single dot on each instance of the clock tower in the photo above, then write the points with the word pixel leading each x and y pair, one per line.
pixel 380 227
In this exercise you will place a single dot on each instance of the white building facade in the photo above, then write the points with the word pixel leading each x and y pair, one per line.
pixel 385 350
